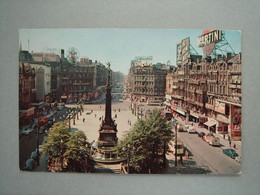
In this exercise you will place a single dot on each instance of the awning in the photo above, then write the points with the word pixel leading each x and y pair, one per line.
pixel 167 104
pixel 180 112
pixel 210 123
pixel 194 115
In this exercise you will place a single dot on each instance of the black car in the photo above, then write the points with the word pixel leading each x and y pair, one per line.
pixel 201 134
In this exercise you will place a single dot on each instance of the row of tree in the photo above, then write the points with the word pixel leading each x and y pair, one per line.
pixel 147 143
pixel 63 145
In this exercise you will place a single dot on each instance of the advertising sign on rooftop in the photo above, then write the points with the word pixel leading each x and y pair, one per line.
pixel 208 39
pixel 183 51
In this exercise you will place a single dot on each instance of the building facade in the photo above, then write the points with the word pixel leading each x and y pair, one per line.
pixel 208 92
pixel 147 83
pixel 26 88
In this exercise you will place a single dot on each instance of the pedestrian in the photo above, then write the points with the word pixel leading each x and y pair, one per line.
pixel 95 116
pixel 224 136
pixel 83 120
pixel 100 118
pixel 229 143
pixel 235 146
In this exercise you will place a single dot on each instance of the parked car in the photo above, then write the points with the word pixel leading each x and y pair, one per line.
pixel 40 149
pixel 29 164
pixel 50 123
pixel 26 131
pixel 212 140
pixel 192 130
pixel 238 159
pixel 181 128
pixel 33 155
pixel 230 152
pixel 201 134
pixel 41 129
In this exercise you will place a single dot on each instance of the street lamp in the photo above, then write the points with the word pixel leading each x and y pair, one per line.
pixel 128 157
pixel 37 149
pixel 61 154
pixel 175 123
pixel 69 122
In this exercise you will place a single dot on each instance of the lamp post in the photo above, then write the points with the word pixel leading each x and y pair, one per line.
pixel 175 123
pixel 73 117
pixel 69 122
pixel 37 148
pixel 61 155
pixel 128 157
pixel 77 113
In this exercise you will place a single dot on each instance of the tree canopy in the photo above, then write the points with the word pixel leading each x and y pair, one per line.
pixel 147 143
pixel 61 143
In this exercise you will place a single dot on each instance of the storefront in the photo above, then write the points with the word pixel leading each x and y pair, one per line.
pixel 26 116
pixel 236 123
pixel 211 125
pixel 223 123
pixel 194 117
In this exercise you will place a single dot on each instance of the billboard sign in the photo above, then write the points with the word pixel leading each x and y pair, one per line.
pixel 183 51
pixel 208 39
pixel 220 107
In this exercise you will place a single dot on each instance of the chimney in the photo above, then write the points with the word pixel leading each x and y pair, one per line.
pixel 239 57
pixel 62 54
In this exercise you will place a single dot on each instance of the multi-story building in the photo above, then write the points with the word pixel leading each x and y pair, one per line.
pixel 209 92
pixel 26 88
pixel 42 80
pixel 53 62
pixel 81 81
pixel 147 83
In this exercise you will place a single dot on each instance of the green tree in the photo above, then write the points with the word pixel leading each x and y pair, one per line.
pixel 147 143
pixel 54 144
pixel 77 152
pixel 61 143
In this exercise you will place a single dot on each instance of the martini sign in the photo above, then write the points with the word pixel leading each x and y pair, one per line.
pixel 208 39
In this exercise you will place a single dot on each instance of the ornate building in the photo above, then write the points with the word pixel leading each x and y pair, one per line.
pixel 208 92
pixel 147 83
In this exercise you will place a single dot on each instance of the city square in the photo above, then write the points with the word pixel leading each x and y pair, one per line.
pixel 79 115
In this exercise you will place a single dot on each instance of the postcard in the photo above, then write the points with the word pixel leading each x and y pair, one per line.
pixel 130 101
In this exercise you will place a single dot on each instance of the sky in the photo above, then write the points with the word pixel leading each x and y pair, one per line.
pixel 118 46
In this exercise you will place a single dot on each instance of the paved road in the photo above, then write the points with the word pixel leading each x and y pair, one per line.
pixel 206 155
pixel 28 143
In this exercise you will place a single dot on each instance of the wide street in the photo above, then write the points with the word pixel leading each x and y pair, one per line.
pixel 206 155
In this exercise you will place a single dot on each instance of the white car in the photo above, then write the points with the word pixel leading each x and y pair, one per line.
pixel 26 131
pixel 191 130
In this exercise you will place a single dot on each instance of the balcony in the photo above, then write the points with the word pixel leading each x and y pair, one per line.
pixel 235 81
pixel 77 84
pixel 192 81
